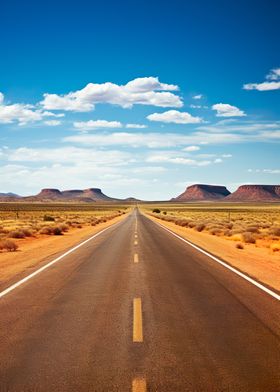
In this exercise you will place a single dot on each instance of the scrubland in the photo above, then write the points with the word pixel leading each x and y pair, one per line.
pixel 21 222
pixel 245 236
pixel 257 224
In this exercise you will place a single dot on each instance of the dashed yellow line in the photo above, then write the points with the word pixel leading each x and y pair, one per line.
pixel 136 258
pixel 139 385
pixel 135 242
pixel 136 235
pixel 137 321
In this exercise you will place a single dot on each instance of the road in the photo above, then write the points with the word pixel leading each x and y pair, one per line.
pixel 137 309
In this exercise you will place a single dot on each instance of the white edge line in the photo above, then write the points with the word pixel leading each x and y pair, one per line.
pixel 38 271
pixel 254 282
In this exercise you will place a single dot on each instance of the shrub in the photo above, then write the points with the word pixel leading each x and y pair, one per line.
pixel 199 227
pixel 156 210
pixel 64 227
pixel 46 230
pixel 48 218
pixel 248 238
pixel 164 212
pixel 8 245
pixel 215 231
pixel 275 231
pixel 27 232
pixel 57 231
pixel 16 234
pixel 252 229
pixel 239 245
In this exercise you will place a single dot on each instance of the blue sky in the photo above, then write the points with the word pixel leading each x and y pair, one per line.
pixel 139 98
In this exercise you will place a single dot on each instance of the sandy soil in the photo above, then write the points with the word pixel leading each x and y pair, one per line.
pixel 34 251
pixel 260 263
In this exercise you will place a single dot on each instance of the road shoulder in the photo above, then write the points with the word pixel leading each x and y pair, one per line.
pixel 13 265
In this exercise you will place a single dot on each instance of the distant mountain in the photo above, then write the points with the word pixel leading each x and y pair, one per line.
pixel 256 193
pixel 9 194
pixel 85 195
pixel 203 192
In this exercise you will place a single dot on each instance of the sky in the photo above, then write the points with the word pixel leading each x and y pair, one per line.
pixel 139 98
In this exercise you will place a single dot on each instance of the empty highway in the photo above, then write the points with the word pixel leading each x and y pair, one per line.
pixel 137 309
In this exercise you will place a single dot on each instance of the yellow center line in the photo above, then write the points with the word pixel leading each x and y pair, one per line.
pixel 139 385
pixel 135 242
pixel 136 235
pixel 136 259
pixel 137 320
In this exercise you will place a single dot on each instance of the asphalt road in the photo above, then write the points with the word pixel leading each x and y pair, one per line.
pixel 137 309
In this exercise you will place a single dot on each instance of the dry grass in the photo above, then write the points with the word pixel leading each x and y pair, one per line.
pixel 249 225
pixel 23 221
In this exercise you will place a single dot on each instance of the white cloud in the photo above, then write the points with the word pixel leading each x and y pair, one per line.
pixel 173 116
pixel 21 113
pixel 227 156
pixel 265 86
pixel 136 126
pixel 165 158
pixel 198 96
pixel 191 148
pixel 265 171
pixel 218 160
pixel 96 124
pixel 198 106
pixel 226 110
pixel 142 91
pixel 52 123
pixel 233 126
pixel 218 134
pixel 68 155
pixel 272 82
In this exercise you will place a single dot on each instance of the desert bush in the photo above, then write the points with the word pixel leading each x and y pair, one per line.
pixel 248 237
pixel 16 234
pixel 215 231
pixel 8 245
pixel 199 227
pixel 64 227
pixel 48 218
pixel 27 232
pixel 57 231
pixel 164 212
pixel 275 231
pixel 191 224
pixel 252 229
pixel 46 230
pixel 156 210
pixel 239 245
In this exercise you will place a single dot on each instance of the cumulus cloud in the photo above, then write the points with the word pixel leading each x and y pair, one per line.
pixel 226 110
pixel 52 123
pixel 141 91
pixel 272 82
pixel 174 116
pixel 198 96
pixel 191 148
pixel 96 124
pixel 136 126
pixel 178 160
pixel 21 113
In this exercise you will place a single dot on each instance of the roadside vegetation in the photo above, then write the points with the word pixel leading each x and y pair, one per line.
pixel 244 225
pixel 22 222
